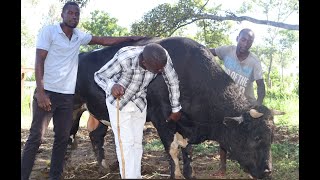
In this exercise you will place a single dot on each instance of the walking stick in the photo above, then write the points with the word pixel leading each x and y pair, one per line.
pixel 120 142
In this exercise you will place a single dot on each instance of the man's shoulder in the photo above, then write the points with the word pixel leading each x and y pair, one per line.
pixel 254 57
pixel 49 28
pixel 226 47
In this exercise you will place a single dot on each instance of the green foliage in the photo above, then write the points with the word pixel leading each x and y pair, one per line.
pixel 290 106
pixel 26 102
pixel 31 78
pixel 154 145
pixel 213 34
pixel 164 20
pixel 205 147
pixel 281 88
pixel 27 39
pixel 101 24
pixel 282 95
pixel 285 160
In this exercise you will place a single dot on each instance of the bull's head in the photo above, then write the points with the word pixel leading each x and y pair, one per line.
pixel 249 139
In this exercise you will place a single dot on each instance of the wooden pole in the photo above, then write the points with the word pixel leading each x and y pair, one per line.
pixel 120 142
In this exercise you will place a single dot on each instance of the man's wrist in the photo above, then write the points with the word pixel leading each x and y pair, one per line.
pixel 176 109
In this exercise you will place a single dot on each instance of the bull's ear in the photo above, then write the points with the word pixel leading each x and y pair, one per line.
pixel 228 121
pixel 276 112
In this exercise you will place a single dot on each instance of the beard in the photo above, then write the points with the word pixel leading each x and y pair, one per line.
pixel 71 25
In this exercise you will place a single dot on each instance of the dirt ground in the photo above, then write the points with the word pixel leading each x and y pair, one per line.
pixel 81 162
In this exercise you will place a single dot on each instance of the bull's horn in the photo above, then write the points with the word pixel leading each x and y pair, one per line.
pixel 255 114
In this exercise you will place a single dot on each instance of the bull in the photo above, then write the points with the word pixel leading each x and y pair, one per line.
pixel 212 109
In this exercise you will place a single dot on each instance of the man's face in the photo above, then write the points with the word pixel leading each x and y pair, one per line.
pixel 151 66
pixel 245 41
pixel 71 16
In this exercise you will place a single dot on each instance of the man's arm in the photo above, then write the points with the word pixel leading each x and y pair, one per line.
pixel 42 99
pixel 103 77
pixel 109 41
pixel 171 79
pixel 260 91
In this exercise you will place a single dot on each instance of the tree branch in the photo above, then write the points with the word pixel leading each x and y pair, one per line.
pixel 250 19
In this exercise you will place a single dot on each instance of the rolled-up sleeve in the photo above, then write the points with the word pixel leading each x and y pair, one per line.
pixel 171 78
pixel 103 77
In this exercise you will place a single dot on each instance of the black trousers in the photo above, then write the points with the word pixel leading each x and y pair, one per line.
pixel 61 114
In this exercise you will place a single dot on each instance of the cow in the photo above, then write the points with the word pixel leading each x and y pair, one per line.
pixel 213 108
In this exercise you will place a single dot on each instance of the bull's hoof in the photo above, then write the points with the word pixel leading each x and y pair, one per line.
pixel 103 167
pixel 114 166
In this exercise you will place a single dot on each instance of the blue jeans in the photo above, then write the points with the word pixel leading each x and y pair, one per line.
pixel 61 114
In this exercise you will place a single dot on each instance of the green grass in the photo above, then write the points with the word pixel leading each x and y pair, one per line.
pixel 288 105
pixel 26 102
pixel 285 161
pixel 206 147
pixel 285 154
pixel 154 145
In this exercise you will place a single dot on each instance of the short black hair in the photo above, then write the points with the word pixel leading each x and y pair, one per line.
pixel 245 30
pixel 155 53
pixel 71 3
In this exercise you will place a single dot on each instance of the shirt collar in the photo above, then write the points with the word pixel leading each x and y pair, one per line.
pixel 74 32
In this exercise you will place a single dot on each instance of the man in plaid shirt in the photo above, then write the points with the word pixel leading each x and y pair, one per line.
pixel 126 76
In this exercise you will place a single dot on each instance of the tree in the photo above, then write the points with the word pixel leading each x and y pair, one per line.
pixel 101 24
pixel 53 16
pixel 165 19
pixel 213 35
pixel 27 39
pixel 278 44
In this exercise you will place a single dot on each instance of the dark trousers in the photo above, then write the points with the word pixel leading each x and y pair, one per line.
pixel 61 114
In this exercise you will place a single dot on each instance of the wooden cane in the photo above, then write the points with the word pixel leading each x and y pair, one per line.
pixel 120 142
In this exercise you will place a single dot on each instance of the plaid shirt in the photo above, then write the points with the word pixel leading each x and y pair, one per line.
pixel 124 69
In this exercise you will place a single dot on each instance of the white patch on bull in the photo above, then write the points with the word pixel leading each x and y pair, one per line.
pixel 178 140
pixel 84 106
pixel 72 139
pixel 96 50
pixel 105 122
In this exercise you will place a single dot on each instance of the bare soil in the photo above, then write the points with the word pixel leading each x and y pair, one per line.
pixel 81 162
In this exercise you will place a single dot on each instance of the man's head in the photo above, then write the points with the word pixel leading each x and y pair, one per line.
pixel 70 14
pixel 154 58
pixel 245 40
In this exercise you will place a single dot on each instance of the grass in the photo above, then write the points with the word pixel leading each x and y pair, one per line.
pixel 285 153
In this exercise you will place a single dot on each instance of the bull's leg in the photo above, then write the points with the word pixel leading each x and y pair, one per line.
pixel 223 162
pixel 77 113
pixel 188 172
pixel 175 172
pixel 97 140
pixel 178 140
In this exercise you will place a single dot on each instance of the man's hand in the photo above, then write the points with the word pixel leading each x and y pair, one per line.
pixel 117 90
pixel 43 100
pixel 174 116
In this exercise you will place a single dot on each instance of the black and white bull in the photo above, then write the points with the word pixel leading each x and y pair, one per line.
pixel 212 108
